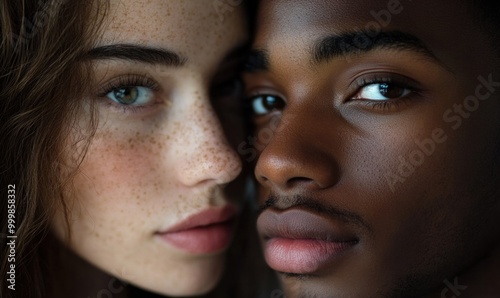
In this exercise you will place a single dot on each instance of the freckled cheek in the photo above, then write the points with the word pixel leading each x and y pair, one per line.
pixel 124 168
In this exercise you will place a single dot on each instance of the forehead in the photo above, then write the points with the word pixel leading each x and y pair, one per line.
pixel 186 27
pixel 344 14
pixel 446 27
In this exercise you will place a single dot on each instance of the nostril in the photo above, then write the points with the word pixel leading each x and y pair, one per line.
pixel 263 179
pixel 296 181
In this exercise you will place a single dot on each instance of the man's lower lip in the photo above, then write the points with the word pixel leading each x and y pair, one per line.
pixel 303 256
pixel 201 240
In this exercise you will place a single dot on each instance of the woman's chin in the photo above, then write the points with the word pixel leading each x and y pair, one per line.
pixel 193 279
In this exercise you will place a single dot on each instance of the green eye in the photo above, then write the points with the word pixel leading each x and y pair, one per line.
pixel 132 95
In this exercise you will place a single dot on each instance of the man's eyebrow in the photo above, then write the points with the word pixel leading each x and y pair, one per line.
pixel 358 42
pixel 136 53
pixel 257 60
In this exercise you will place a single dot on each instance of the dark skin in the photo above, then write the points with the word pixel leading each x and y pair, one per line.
pixel 346 118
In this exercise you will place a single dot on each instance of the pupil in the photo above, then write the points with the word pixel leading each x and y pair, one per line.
pixel 272 103
pixel 390 91
pixel 126 95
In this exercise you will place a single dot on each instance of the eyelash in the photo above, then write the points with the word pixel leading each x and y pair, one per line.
pixel 390 104
pixel 129 80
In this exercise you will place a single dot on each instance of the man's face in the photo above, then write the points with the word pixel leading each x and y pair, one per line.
pixel 378 128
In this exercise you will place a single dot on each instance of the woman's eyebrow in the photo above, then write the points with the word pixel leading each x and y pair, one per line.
pixel 136 53
pixel 357 42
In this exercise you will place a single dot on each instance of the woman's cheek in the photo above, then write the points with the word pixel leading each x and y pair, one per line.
pixel 122 170
pixel 127 160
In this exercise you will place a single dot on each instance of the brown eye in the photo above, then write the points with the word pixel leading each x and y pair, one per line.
pixel 382 91
pixel 391 91
pixel 264 104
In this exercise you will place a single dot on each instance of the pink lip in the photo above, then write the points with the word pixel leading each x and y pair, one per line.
pixel 301 242
pixel 206 232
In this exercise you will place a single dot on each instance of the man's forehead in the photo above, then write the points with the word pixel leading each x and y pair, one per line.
pixel 285 16
pixel 446 27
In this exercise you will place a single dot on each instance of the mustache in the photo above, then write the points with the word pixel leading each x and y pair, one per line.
pixel 285 202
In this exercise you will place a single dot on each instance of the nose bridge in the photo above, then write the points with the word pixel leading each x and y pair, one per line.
pixel 297 154
pixel 204 153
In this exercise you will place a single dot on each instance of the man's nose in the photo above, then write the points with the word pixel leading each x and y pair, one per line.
pixel 297 157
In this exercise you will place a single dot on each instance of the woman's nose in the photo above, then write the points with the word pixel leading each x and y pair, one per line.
pixel 205 155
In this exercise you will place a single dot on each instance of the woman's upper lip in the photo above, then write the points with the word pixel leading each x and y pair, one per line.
pixel 210 216
pixel 302 224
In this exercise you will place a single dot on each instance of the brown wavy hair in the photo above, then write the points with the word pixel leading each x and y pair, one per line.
pixel 42 79
pixel 40 84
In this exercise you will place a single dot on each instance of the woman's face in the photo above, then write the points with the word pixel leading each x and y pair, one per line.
pixel 149 204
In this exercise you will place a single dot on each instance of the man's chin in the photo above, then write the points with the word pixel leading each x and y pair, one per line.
pixel 411 285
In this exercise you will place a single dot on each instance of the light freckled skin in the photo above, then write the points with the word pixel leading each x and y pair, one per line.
pixel 146 171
